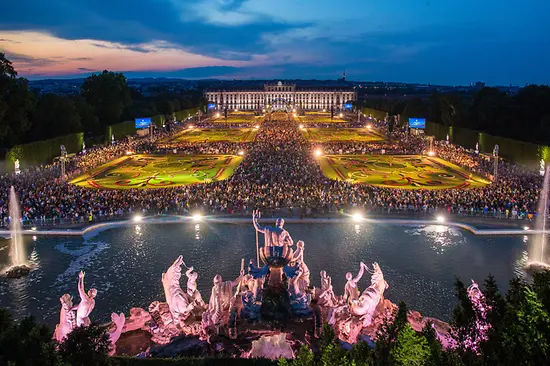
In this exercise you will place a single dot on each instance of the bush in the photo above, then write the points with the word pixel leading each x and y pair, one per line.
pixel 42 152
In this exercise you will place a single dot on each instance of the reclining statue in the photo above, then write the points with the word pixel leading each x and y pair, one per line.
pixel 67 319
pixel 366 304
pixel 179 302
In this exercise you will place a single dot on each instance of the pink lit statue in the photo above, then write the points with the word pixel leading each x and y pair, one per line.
pixel 365 305
pixel 87 302
pixel 67 319
pixel 118 320
pixel 179 302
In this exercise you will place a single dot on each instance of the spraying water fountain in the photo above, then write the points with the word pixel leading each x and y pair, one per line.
pixel 18 265
pixel 538 252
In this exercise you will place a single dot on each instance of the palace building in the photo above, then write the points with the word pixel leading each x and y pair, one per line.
pixel 281 95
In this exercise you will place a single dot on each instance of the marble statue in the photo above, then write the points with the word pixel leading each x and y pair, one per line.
pixel 220 300
pixel 298 293
pixel 17 166
pixel 118 320
pixel 179 302
pixel 192 290
pixel 67 319
pixel 351 292
pixel 298 260
pixel 366 304
pixel 87 302
pixel 326 295
pixel 273 235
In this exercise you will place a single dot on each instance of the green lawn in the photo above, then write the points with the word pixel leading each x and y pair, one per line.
pixel 399 171
pixel 159 171
pixel 195 135
pixel 341 134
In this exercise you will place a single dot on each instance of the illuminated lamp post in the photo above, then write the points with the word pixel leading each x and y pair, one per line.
pixel 495 168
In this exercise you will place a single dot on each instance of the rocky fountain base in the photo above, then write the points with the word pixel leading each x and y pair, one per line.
pixel 18 271
pixel 533 267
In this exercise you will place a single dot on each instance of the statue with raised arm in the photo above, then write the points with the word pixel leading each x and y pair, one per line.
pixel 67 319
pixel 273 235
pixel 87 302
pixel 351 292
pixel 179 302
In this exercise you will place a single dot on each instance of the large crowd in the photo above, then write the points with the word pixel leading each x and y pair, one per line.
pixel 279 171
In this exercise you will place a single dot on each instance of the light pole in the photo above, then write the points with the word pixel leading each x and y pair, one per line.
pixel 63 156
pixel 495 168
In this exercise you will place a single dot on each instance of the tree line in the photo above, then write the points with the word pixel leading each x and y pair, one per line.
pixel 104 99
pixel 524 116
pixel 518 334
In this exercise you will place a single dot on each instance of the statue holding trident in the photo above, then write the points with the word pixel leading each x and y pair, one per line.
pixel 273 235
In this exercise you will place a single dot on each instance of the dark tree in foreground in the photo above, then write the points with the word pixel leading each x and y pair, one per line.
pixel 86 346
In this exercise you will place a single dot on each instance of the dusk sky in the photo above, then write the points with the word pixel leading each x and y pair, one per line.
pixel 427 41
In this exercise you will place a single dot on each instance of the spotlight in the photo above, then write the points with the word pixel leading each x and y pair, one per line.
pixel 369 126
pixel 301 126
pixel 33 228
pixel 190 126
pixel 440 218
pixel 357 217
pixel 129 152
pixel 241 153
pixel 197 217
pixel 217 115
pixel 318 152
pixel 431 153
pixel 138 218
pixel 256 127
pixel 340 115
pixel 526 228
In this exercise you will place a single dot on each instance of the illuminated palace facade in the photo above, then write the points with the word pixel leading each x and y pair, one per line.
pixel 281 95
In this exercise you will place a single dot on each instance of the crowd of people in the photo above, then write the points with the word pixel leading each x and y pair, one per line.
pixel 279 171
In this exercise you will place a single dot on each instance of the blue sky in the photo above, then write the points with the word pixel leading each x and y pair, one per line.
pixel 427 41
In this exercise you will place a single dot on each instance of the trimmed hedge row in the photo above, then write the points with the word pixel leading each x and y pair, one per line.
pixel 378 114
pixel 42 152
pixel 183 114
pixel 187 361
pixel 121 129
pixel 128 128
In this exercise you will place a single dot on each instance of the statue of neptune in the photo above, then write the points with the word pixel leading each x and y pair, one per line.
pixel 274 235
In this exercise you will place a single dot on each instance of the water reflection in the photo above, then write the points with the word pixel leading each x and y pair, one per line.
pixel 126 264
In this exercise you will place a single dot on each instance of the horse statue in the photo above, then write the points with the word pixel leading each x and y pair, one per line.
pixel 179 302
pixel 118 320
pixel 366 305
pixel 67 319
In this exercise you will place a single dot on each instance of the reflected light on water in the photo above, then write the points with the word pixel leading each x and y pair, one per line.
pixel 357 229
pixel 197 232
pixel 138 229
pixel 441 237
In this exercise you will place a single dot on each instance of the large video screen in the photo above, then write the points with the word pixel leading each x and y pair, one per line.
pixel 348 106
pixel 211 106
pixel 419 123
pixel 143 123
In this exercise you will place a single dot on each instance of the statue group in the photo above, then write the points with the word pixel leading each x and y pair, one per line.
pixel 277 290
pixel 71 317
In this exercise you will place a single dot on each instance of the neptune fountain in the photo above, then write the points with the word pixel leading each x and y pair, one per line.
pixel 269 310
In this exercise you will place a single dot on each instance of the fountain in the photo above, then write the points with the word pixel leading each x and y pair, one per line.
pixel 18 267
pixel 538 257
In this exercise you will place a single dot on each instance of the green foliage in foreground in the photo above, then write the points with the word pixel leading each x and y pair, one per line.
pixel 519 335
